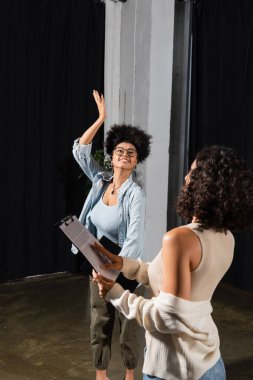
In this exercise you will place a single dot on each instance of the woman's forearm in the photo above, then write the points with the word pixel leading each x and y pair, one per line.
pixel 88 135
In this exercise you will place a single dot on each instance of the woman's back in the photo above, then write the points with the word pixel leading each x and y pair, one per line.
pixel 217 255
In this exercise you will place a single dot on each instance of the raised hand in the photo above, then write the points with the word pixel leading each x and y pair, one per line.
pixel 99 99
pixel 89 134
pixel 116 261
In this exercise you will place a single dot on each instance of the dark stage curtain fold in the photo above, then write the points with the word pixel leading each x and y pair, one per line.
pixel 52 56
pixel 222 95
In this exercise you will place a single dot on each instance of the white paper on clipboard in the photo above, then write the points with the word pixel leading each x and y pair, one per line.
pixel 82 239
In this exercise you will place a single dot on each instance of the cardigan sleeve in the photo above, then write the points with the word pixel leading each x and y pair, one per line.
pixel 135 270
pixel 165 313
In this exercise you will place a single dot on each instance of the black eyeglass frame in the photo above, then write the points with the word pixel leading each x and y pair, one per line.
pixel 134 151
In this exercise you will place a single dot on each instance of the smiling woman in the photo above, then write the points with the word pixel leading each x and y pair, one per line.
pixel 113 211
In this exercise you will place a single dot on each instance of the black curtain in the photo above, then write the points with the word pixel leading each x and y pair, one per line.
pixel 222 95
pixel 52 56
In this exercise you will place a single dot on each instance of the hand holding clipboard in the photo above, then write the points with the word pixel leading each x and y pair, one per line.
pixel 83 239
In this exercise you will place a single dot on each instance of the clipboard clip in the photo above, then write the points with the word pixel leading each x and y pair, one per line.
pixel 67 220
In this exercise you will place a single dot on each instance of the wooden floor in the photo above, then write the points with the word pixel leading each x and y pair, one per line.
pixel 44 330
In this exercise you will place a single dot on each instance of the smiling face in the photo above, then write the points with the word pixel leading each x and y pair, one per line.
pixel 125 156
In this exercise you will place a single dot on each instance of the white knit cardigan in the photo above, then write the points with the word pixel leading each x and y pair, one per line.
pixel 182 341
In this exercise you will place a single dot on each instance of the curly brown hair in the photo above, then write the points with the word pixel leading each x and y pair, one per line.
pixel 131 134
pixel 220 191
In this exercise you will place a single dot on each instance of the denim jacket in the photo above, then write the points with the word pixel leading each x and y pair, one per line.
pixel 131 202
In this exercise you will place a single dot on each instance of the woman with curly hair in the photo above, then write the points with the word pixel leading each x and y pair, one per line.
pixel 182 341
pixel 114 209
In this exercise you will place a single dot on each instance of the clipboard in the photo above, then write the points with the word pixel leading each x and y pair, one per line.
pixel 82 239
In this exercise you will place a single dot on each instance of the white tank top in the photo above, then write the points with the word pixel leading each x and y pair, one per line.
pixel 217 256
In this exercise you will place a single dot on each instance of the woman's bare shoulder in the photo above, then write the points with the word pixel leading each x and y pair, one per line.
pixel 179 233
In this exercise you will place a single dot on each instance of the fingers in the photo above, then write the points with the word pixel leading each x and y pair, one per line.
pixel 98 277
pixel 101 292
pixel 103 280
pixel 97 97
pixel 104 284
pixel 103 250
pixel 109 266
pixel 94 274
pixel 116 262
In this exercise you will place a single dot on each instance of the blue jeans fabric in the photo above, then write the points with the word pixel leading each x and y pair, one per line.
pixel 147 377
pixel 217 372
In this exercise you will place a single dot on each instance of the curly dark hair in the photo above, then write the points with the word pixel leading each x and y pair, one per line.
pixel 220 191
pixel 131 134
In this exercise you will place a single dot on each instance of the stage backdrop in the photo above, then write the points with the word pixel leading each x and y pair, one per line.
pixel 222 95
pixel 52 56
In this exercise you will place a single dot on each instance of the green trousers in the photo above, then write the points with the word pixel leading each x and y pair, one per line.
pixel 102 321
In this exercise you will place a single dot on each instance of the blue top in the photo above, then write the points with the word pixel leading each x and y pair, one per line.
pixel 106 220
pixel 131 203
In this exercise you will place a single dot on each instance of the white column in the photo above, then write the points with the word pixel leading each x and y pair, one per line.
pixel 138 80
pixel 161 58
pixel 112 61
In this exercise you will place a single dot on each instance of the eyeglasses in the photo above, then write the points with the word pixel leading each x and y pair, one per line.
pixel 130 152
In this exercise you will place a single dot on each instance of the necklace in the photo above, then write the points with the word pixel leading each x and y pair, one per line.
pixel 114 187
